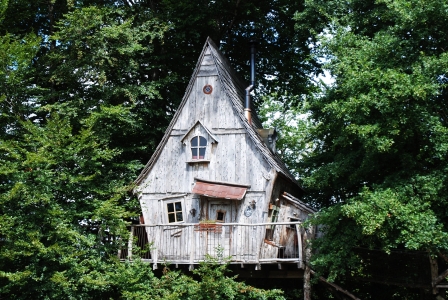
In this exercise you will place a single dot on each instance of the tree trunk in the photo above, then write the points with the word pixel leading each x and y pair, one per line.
pixel 307 236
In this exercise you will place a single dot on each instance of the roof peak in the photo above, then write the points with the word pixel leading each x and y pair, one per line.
pixel 234 90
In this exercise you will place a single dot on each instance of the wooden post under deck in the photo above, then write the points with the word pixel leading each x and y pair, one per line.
pixel 307 236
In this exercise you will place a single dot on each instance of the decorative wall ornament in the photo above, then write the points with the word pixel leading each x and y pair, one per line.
pixel 248 211
pixel 207 89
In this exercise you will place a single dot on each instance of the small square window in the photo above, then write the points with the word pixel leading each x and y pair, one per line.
pixel 220 216
pixel 174 211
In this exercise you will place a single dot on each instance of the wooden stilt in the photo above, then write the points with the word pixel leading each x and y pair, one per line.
pixel 307 236
pixel 434 273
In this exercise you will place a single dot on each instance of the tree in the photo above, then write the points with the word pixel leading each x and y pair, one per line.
pixel 379 167
pixel 60 209
pixel 291 124
pixel 88 88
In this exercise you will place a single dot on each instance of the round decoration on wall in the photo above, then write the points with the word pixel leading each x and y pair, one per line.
pixel 207 89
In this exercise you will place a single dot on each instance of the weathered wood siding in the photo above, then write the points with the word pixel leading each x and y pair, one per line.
pixel 233 158
pixel 232 155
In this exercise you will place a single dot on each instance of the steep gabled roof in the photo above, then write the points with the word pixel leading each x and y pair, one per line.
pixel 234 88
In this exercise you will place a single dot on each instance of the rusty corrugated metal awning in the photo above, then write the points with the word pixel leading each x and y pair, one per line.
pixel 219 190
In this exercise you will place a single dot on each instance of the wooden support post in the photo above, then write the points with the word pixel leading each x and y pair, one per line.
pixel 130 243
pixel 434 273
pixel 307 236
pixel 192 241
pixel 299 246
pixel 157 242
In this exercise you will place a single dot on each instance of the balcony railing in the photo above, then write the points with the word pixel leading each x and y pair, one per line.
pixel 188 243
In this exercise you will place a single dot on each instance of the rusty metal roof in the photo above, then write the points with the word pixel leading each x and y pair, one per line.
pixel 222 191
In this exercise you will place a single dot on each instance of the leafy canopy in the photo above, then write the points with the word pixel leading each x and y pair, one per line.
pixel 380 135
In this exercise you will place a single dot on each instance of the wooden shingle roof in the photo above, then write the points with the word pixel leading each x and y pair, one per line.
pixel 234 88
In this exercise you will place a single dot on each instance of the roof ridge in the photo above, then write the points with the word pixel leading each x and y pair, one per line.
pixel 237 102
pixel 165 137
pixel 233 86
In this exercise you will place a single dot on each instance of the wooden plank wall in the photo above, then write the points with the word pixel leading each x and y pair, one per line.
pixel 234 158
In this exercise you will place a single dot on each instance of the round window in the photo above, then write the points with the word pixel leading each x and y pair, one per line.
pixel 207 89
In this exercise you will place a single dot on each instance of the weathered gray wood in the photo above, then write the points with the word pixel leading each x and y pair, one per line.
pixel 130 243
pixel 299 246
pixel 235 153
pixel 223 182
pixel 307 236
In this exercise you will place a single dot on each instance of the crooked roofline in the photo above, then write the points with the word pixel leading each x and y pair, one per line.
pixel 236 98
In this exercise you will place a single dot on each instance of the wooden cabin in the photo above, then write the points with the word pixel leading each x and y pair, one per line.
pixel 215 185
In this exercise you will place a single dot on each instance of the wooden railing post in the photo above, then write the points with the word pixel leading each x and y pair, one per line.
pixel 130 243
pixel 192 247
pixel 157 243
pixel 299 246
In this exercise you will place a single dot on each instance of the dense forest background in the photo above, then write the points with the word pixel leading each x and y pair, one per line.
pixel 87 89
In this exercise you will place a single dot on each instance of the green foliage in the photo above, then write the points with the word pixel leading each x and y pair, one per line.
pixel 59 209
pixel 215 284
pixel 16 90
pixel 379 131
pixel 87 90
pixel 292 125
pixel 102 69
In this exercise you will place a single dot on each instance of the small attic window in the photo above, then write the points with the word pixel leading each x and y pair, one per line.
pixel 198 147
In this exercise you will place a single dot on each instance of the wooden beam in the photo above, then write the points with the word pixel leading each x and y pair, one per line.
pixel 434 271
pixel 442 286
pixel 443 256
pixel 441 277
pixel 336 287
pixel 223 182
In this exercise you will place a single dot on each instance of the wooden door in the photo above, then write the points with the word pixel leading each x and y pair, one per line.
pixel 221 212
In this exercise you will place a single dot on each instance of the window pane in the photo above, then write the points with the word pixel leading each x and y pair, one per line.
pixel 171 218
pixel 194 153
pixel 179 217
pixel 220 216
pixel 274 216
pixel 202 141
pixel 178 206
pixel 170 207
pixel 194 141
pixel 202 152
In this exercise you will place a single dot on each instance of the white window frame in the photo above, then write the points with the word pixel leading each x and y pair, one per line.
pixel 166 213
pixel 206 155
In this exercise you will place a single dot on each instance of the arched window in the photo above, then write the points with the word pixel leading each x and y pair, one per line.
pixel 198 147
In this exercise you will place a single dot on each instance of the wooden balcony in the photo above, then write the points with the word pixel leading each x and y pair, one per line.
pixel 189 244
